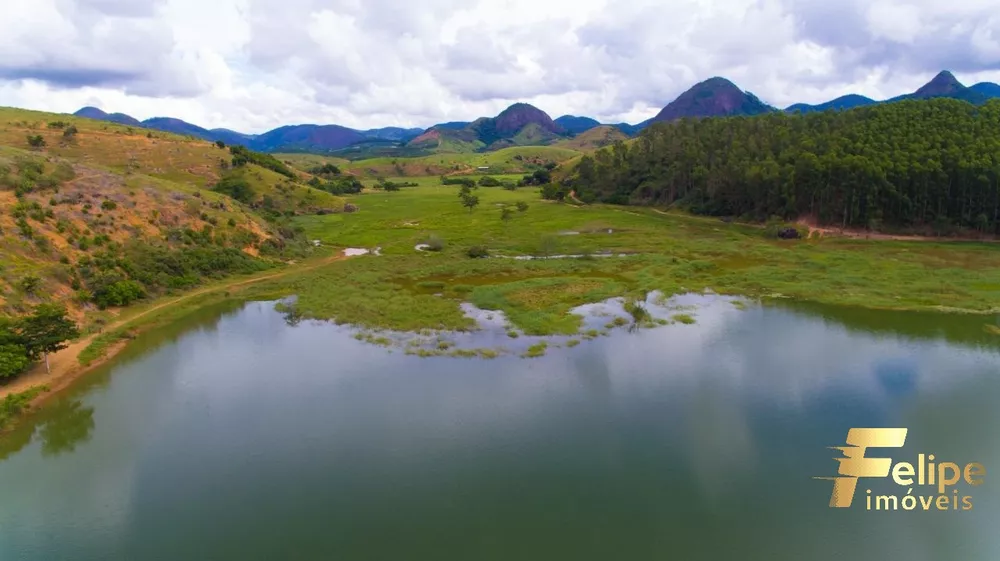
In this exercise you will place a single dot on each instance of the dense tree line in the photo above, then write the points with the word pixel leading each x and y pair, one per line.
pixel 909 164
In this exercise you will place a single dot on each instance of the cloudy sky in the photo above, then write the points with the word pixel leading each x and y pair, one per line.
pixel 252 65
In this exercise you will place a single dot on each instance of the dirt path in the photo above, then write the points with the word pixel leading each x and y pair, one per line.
pixel 65 365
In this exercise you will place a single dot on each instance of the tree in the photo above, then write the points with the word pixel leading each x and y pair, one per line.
pixel 36 141
pixel 921 165
pixel 13 360
pixel 553 192
pixel 70 133
pixel 13 356
pixel 470 202
pixel 522 206
pixel 506 215
pixel 47 330
pixel 220 144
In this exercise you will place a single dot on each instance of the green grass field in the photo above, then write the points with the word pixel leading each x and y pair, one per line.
pixel 518 159
pixel 409 290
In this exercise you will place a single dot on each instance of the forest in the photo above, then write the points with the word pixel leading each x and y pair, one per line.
pixel 931 164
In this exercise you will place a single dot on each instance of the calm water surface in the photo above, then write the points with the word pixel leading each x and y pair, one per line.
pixel 235 436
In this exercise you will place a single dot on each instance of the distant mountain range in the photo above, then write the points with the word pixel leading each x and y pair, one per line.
pixel 522 124
pixel 943 85
pixel 292 138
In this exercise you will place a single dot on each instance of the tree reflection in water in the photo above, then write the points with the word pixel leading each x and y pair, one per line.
pixel 69 424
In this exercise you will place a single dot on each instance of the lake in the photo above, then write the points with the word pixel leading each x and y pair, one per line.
pixel 234 435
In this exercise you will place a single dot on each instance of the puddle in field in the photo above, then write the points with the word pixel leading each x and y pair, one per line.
pixel 358 251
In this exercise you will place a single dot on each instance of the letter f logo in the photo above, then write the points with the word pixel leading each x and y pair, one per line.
pixel 854 464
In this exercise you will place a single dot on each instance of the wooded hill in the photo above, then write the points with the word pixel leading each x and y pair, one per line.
pixel 931 163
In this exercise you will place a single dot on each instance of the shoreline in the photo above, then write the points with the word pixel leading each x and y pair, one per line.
pixel 65 367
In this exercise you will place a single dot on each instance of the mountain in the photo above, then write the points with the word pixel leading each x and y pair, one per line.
pixel 520 124
pixel 453 125
pixel 510 121
pixel 92 113
pixel 944 84
pixel 177 126
pixel 230 137
pixel 989 89
pixel 120 118
pixel 715 97
pixel 295 138
pixel 392 133
pixel 849 101
pixel 306 138
pixel 631 130
pixel 576 125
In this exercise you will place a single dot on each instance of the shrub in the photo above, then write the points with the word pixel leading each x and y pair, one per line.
pixel 120 293
pixel 235 187
pixel 29 284
pixel 489 182
pixel 108 204
pixel 463 181
pixel 434 243
pixel 325 170
pixel 36 141
pixel 478 252
pixel 553 192
pixel 780 229
pixel 243 156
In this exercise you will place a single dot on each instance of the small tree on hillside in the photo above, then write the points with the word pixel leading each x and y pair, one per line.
pixel 506 215
pixel 46 331
pixel 36 141
pixel 470 202
pixel 69 133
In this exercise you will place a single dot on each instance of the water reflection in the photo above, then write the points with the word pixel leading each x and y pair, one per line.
pixel 69 424
pixel 245 438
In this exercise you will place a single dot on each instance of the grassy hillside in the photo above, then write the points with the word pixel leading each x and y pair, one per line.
pixel 97 216
pixel 305 162
pixel 273 191
pixel 593 139
pixel 118 147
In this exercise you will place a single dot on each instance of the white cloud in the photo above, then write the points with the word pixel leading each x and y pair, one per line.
pixel 255 64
